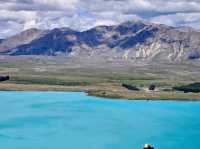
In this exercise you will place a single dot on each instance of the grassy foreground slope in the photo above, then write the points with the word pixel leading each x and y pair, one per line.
pixel 102 78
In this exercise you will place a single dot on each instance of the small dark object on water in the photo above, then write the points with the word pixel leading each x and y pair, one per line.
pixel 147 146
pixel 4 78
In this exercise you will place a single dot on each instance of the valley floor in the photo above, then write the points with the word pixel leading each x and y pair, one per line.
pixel 99 78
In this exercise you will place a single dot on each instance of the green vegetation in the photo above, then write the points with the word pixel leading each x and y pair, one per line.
pixel 4 78
pixel 130 87
pixel 105 94
pixel 47 81
pixel 194 88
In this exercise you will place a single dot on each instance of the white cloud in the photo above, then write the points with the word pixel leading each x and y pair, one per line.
pixel 179 19
pixel 9 28
pixel 18 15
pixel 62 4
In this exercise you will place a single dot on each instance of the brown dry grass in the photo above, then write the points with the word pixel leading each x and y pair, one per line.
pixel 104 90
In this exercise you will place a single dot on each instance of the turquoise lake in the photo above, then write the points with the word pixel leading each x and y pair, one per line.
pixel 59 120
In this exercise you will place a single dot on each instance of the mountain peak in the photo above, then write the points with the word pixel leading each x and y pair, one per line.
pixel 24 37
pixel 133 40
pixel 32 30
pixel 134 21
pixel 63 29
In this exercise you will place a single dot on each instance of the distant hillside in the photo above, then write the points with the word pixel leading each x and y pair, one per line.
pixel 132 40
pixel 25 37
pixel 1 40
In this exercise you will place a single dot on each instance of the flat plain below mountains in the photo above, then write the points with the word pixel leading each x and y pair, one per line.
pixel 105 78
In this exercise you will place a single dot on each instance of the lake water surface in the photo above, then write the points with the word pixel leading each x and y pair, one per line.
pixel 58 120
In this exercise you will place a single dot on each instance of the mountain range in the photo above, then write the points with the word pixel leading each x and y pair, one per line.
pixel 132 40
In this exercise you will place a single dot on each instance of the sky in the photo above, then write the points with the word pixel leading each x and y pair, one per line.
pixel 19 15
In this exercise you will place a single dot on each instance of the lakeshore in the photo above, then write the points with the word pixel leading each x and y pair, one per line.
pixel 105 91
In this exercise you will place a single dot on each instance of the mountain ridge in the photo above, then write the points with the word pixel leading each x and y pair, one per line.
pixel 134 40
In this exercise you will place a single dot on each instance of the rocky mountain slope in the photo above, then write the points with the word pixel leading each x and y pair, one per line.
pixel 132 40
pixel 25 37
